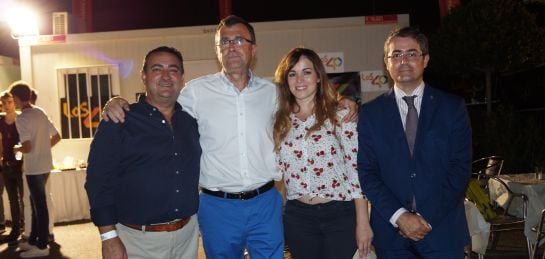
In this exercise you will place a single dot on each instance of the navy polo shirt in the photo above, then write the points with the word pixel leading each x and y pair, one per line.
pixel 143 171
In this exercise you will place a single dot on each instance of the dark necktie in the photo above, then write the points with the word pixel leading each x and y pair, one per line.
pixel 411 122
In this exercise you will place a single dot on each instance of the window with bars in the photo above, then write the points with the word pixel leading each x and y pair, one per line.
pixel 83 93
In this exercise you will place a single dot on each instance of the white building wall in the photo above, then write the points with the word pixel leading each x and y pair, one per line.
pixel 9 72
pixel 361 45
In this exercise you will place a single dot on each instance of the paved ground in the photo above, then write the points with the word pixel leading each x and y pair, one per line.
pixel 80 240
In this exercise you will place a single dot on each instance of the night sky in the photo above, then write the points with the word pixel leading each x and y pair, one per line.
pixel 112 15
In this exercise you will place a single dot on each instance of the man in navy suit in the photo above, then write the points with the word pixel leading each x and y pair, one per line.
pixel 415 169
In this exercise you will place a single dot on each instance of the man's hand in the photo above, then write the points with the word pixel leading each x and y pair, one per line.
pixel 115 109
pixel 114 249
pixel 413 226
pixel 352 107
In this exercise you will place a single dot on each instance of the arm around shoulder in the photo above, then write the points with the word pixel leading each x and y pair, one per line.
pixel 115 109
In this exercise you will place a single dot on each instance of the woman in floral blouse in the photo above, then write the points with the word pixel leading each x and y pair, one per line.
pixel 326 212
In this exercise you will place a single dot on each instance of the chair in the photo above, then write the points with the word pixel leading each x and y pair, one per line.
pixel 540 235
pixel 490 165
pixel 488 169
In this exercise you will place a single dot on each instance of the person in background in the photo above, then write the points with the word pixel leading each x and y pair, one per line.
pixel 12 172
pixel 26 197
pixel 37 135
pixel 326 215
pixel 234 110
pixel 143 175
pixel 414 158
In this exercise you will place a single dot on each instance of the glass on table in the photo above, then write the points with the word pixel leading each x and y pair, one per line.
pixel 538 170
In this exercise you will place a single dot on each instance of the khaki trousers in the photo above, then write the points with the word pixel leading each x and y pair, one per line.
pixel 180 244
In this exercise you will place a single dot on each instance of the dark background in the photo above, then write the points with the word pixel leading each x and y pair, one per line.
pixel 112 15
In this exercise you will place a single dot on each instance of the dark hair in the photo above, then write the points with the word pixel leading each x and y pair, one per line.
pixel 21 90
pixel 33 95
pixel 166 49
pixel 233 20
pixel 410 32
pixel 5 94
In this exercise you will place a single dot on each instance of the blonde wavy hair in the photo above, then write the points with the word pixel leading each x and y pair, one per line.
pixel 325 105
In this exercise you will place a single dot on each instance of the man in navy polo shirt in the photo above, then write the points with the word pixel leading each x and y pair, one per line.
pixel 143 174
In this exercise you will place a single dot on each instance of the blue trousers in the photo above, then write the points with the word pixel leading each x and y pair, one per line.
pixel 40 213
pixel 321 231
pixel 230 225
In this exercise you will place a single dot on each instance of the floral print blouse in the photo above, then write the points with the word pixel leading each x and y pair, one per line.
pixel 322 164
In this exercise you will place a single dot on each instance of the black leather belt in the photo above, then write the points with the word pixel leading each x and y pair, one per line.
pixel 241 195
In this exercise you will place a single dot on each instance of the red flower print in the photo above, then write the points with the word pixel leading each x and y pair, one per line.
pixel 329 164
pixel 333 151
pixel 311 161
pixel 318 171
pixel 316 137
pixel 298 153
pixel 335 184
pixel 349 134
pixel 320 153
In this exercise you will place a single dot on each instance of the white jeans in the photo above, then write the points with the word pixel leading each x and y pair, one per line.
pixel 180 244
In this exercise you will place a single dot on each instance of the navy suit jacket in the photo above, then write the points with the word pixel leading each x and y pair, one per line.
pixel 436 176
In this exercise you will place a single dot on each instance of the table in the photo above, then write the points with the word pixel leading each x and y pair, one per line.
pixel 526 184
pixel 69 197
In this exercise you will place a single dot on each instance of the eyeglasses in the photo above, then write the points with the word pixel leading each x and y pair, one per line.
pixel 410 55
pixel 237 41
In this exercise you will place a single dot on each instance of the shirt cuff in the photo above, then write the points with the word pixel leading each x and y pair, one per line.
pixel 395 217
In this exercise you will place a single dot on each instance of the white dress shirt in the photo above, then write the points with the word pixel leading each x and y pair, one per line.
pixel 235 130
pixel 403 108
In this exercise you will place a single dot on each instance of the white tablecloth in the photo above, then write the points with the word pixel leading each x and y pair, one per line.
pixel 527 184
pixel 479 229
pixel 69 197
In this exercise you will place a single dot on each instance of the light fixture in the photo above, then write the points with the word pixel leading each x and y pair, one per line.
pixel 23 22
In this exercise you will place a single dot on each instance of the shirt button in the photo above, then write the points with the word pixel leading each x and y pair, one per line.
pixel 175 153
pixel 176 210
pixel 150 114
pixel 177 172
pixel 177 190
pixel 163 121
pixel 413 175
